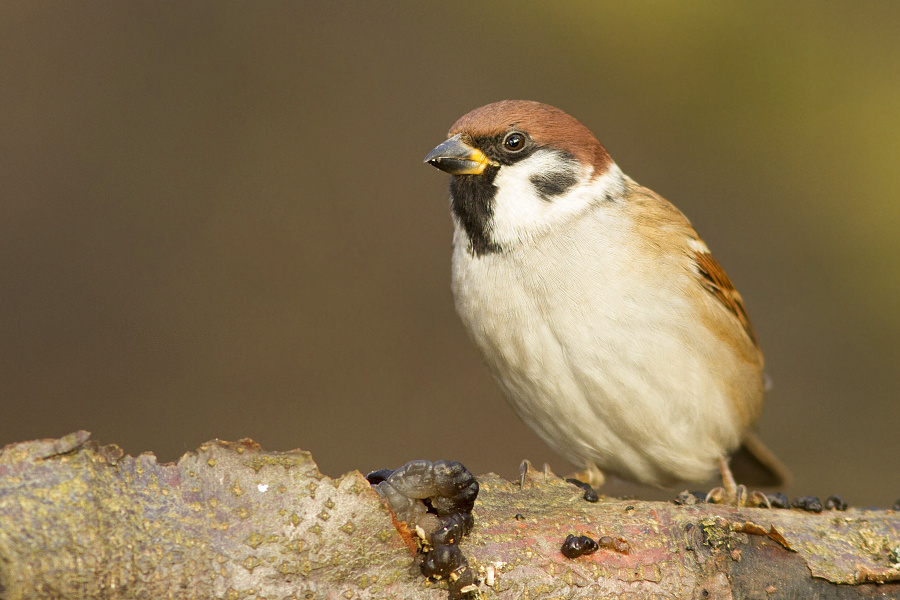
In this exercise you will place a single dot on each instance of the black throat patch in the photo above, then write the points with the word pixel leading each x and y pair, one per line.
pixel 472 201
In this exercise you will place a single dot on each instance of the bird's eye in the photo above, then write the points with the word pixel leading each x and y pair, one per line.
pixel 514 142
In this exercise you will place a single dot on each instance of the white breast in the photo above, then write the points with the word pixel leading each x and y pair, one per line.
pixel 592 346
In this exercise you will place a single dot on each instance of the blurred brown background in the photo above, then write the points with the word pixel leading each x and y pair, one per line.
pixel 215 220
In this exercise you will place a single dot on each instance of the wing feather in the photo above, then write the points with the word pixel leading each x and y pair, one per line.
pixel 714 279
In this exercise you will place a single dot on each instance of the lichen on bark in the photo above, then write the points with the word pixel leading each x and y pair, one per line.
pixel 233 521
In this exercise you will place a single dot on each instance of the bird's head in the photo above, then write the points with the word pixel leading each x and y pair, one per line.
pixel 519 169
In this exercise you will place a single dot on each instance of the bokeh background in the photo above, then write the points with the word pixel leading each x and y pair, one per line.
pixel 215 220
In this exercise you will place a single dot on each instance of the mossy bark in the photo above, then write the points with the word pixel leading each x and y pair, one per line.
pixel 80 520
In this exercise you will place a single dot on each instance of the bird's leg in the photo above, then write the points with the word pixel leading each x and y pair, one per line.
pixel 732 493
pixel 733 490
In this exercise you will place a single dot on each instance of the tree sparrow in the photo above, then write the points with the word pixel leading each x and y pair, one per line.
pixel 600 312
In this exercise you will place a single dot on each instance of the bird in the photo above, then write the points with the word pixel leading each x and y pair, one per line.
pixel 598 309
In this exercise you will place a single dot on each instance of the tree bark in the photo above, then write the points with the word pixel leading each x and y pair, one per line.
pixel 231 521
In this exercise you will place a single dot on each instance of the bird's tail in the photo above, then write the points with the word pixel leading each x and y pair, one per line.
pixel 755 465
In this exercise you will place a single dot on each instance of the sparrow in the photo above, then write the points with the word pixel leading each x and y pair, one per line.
pixel 602 315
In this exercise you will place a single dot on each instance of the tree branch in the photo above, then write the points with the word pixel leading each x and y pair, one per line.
pixel 232 521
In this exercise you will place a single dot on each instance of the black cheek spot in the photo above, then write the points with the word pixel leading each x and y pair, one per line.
pixel 553 184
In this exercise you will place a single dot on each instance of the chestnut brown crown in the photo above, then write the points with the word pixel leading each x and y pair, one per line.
pixel 547 126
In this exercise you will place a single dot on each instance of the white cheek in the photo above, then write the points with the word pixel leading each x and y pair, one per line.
pixel 520 213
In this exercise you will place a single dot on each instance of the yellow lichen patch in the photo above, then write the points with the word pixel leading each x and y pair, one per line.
pixel 385 534
pixel 236 490
pixel 254 540
pixel 286 461
pixel 233 594
pixel 250 563
pixel 359 486
pixel 289 568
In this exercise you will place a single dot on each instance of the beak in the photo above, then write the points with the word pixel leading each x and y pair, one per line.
pixel 458 158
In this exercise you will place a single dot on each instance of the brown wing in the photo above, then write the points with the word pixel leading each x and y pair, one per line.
pixel 716 281
pixel 659 216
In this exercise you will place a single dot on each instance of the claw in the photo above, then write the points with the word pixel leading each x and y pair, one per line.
pixel 740 495
pixel 733 494
pixel 717 495
pixel 757 499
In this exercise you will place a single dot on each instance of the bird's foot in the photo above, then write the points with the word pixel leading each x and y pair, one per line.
pixel 740 497
pixel 735 495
